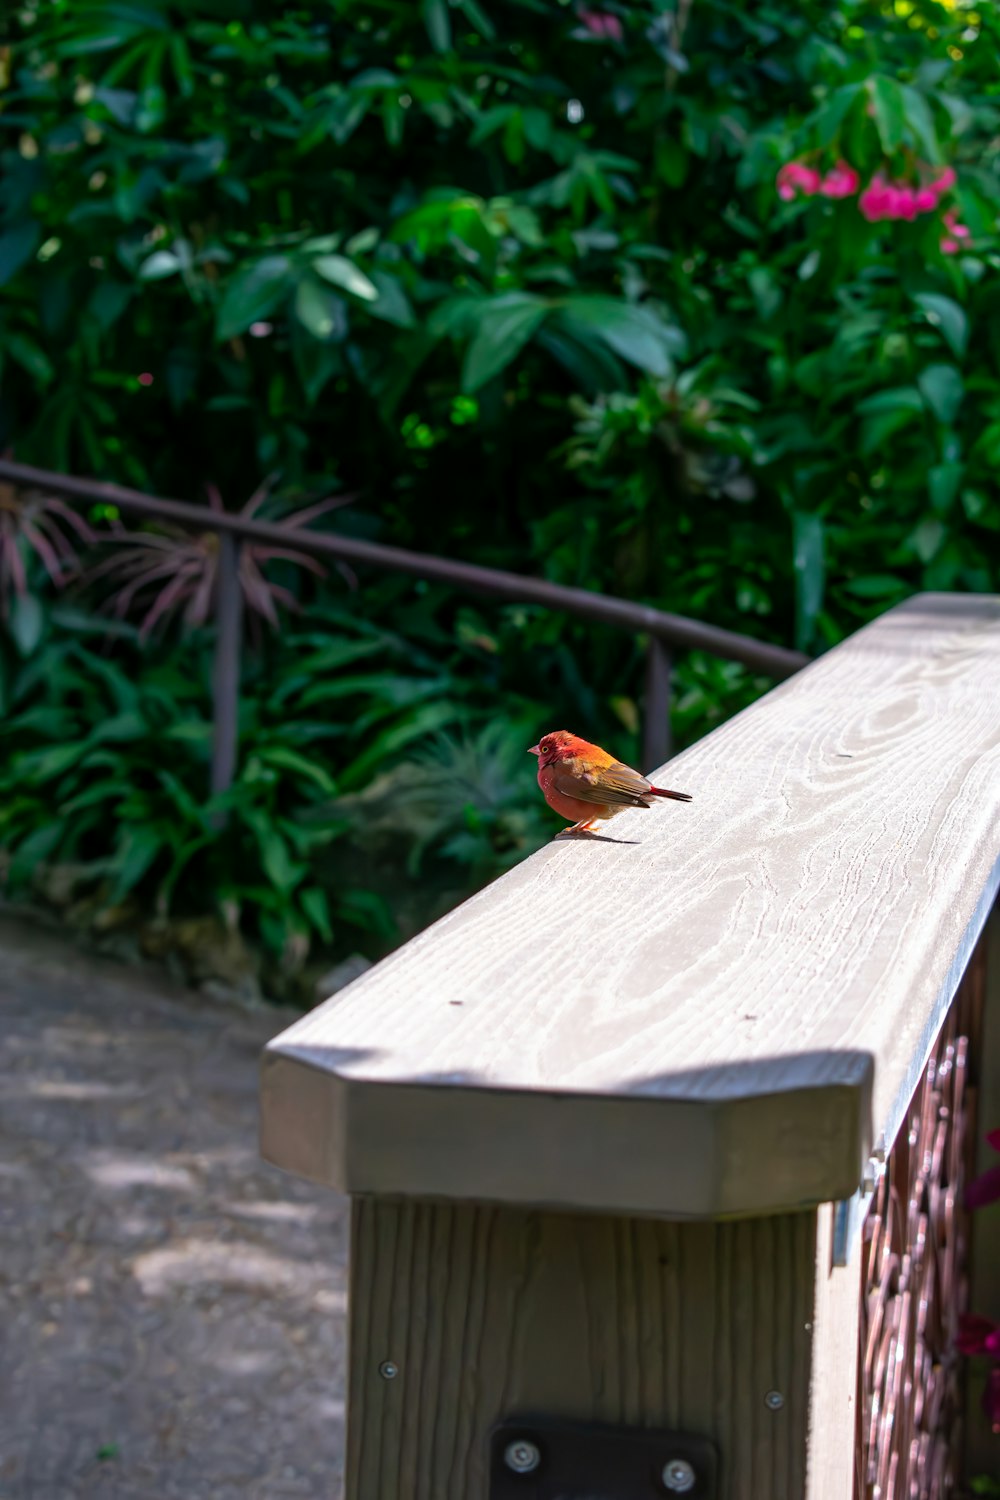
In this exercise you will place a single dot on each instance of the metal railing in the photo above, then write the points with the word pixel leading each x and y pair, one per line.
pixel 666 632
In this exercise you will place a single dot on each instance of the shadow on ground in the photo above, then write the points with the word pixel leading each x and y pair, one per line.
pixel 171 1308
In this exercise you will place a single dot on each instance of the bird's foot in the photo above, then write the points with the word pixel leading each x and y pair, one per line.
pixel 586 827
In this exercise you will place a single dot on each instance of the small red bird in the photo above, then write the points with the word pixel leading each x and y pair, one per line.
pixel 583 783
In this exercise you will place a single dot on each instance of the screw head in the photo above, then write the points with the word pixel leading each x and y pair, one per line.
pixel 388 1370
pixel 774 1400
pixel 522 1457
pixel 679 1477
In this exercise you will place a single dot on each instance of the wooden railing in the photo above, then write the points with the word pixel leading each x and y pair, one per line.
pixel 665 632
pixel 614 1128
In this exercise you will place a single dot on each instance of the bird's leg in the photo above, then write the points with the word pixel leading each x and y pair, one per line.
pixel 585 827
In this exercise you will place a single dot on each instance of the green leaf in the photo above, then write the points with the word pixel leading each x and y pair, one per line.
pixel 35 850
pixel 183 71
pixel 947 316
pixel 290 760
pixel 251 294
pixel 438 23
pixel 672 162
pixel 921 122
pixel 39 766
pixel 876 430
pixel 108 301
pixel 29 355
pixel 943 390
pixel 320 311
pixel 312 899
pixel 505 325
pixel 101 791
pixel 887 412
pixel 327 659
pixel 344 273
pixel 424 720
pixel 807 532
pixel 766 291
pixel 889 106
pixel 160 264
pixel 392 304
pixel 637 333
pixel 370 911
pixel 830 115
pixel 943 482
pixel 385 690
pixel 281 869
pixel 17 246
pixel 316 362
pixel 477 18
pixel 27 623
pixel 135 855
pixel 926 540
pixel 190 731
pixel 899 398
pixel 591 364
pixel 123 728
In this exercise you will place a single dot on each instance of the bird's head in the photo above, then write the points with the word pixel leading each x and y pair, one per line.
pixel 556 745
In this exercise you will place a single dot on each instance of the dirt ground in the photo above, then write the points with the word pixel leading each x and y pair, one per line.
pixel 171 1309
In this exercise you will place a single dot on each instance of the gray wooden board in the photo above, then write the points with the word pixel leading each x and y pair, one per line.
pixel 494 1313
pixel 721 1012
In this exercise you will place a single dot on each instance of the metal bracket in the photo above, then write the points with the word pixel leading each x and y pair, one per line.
pixel 544 1459
pixel 850 1213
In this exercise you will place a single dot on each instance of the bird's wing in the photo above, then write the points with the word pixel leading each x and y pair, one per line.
pixel 615 785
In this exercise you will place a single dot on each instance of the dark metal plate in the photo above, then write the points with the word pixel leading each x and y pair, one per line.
pixel 543 1459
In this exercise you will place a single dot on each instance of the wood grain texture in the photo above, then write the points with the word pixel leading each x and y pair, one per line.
pixel 492 1313
pixel 833 1376
pixel 721 1012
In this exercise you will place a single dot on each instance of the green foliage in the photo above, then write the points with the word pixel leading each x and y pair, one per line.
pixel 516 273
pixel 104 766
pixel 325 231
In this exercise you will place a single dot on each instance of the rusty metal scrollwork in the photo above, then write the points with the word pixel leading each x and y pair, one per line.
pixel 915 1276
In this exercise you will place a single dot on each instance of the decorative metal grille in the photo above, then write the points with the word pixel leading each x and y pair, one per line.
pixel 915 1275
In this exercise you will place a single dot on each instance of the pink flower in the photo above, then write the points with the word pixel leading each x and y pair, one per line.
pixel 875 200
pixel 600 23
pixel 950 247
pixel 840 182
pixel 961 232
pixel 895 200
pixel 978 1335
pixel 942 183
pixel 902 202
pixel 794 178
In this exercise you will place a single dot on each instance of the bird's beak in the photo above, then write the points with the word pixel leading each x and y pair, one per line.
pixel 535 750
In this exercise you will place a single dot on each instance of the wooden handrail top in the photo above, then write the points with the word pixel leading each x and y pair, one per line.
pixel 584 604
pixel 721 1012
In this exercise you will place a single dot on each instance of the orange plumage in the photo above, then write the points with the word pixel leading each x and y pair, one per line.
pixel 584 784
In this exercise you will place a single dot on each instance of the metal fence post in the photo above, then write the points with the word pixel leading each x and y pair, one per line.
pixel 656 738
pixel 226 674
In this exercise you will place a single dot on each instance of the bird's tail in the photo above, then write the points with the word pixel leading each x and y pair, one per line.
pixel 661 791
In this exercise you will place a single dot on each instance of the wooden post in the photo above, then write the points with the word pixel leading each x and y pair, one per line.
pixel 226 674
pixel 612 1129
pixel 493 1312
pixel 656 740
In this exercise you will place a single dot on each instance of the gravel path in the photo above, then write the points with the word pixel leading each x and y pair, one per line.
pixel 171 1309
